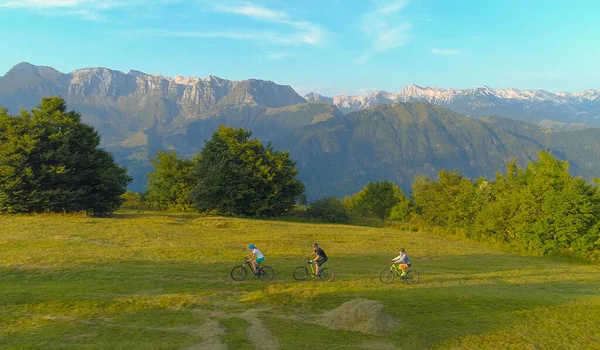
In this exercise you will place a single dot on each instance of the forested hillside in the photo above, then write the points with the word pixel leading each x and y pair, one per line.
pixel 400 141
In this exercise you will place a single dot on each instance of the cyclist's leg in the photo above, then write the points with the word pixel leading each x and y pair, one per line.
pixel 403 267
pixel 257 262
pixel 318 265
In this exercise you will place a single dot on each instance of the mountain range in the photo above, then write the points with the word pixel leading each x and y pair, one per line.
pixel 339 143
pixel 529 105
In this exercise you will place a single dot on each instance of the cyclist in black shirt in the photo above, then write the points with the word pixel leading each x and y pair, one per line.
pixel 320 259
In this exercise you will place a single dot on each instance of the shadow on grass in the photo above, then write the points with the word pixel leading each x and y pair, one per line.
pixel 132 214
pixel 127 304
pixel 430 316
pixel 460 295
pixel 148 329
pixel 108 281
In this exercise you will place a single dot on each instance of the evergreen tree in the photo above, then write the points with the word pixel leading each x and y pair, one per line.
pixel 239 175
pixel 50 161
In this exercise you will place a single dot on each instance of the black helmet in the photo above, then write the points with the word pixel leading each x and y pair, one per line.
pixel 401 250
pixel 315 245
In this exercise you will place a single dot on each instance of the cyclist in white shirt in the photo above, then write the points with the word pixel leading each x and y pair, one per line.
pixel 257 257
pixel 402 260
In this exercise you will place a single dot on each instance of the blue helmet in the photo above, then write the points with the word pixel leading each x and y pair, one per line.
pixel 251 246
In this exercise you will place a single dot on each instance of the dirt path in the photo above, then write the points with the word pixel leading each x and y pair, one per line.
pixel 381 346
pixel 211 333
pixel 257 333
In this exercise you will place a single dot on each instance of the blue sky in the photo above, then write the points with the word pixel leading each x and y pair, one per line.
pixel 327 46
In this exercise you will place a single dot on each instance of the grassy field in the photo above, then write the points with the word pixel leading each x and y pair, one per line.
pixel 161 281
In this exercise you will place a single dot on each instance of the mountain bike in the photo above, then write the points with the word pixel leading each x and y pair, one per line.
pixel 387 275
pixel 301 272
pixel 239 273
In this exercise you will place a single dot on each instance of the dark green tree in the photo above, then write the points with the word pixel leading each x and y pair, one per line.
pixel 132 200
pixel 329 209
pixel 558 211
pixel 171 183
pixel 451 201
pixel 239 175
pixel 494 221
pixel 50 161
pixel 379 198
pixel 543 209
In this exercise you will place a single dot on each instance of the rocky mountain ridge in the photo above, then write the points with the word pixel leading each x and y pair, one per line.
pixel 529 105
pixel 121 104
pixel 383 139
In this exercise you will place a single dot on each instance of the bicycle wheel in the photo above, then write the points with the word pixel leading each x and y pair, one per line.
pixel 239 273
pixel 412 277
pixel 300 273
pixel 266 273
pixel 327 274
pixel 387 276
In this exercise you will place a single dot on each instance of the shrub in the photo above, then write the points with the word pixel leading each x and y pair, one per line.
pixel 328 209
pixel 171 183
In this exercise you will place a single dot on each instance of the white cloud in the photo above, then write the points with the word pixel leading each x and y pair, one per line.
pixel 277 55
pixel 303 32
pixel 283 30
pixel 387 7
pixel 446 52
pixel 73 4
pixel 87 9
pixel 385 28
pixel 265 37
pixel 255 11
pixel 41 3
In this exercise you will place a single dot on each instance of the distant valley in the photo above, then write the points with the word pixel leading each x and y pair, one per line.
pixel 339 143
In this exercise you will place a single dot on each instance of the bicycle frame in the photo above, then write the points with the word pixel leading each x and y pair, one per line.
pixel 311 264
pixel 250 265
pixel 397 269
pixel 302 272
pixel 239 273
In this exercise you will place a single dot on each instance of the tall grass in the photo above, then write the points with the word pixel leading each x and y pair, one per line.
pixel 154 280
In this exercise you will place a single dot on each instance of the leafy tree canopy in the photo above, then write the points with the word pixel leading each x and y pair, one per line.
pixel 239 175
pixel 541 208
pixel 329 209
pixel 379 198
pixel 50 161
pixel 171 183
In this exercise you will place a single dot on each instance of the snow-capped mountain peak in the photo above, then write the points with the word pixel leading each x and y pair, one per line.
pixel 484 100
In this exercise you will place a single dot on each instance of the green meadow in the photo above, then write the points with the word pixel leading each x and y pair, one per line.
pixel 161 281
